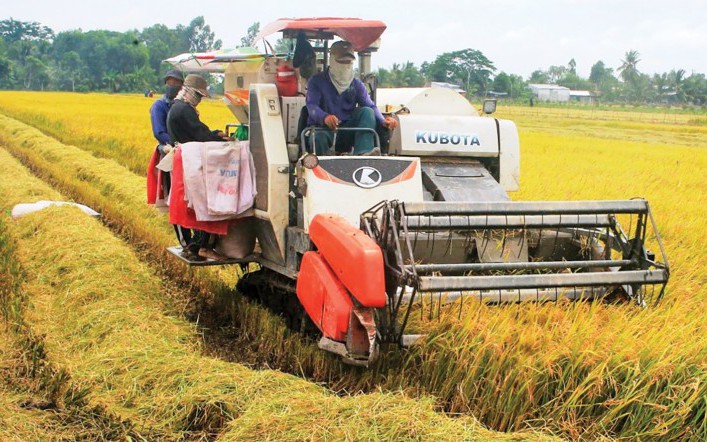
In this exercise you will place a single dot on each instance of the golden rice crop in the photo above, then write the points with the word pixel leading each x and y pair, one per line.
pixel 120 196
pixel 667 129
pixel 23 416
pixel 100 313
pixel 581 369
pixel 115 126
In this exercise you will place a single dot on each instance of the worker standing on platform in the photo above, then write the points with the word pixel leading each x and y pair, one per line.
pixel 173 81
pixel 184 126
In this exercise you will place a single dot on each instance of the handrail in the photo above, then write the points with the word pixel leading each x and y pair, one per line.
pixel 310 131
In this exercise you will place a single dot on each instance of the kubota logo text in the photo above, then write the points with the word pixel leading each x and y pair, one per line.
pixel 426 137
pixel 367 177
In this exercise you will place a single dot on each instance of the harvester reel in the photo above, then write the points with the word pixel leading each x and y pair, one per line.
pixel 511 252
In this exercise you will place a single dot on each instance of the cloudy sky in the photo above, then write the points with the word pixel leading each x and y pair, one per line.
pixel 518 36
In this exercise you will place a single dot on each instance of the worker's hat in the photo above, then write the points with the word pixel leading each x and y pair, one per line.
pixel 174 73
pixel 197 82
pixel 342 51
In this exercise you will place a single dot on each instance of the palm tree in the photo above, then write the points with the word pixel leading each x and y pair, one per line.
pixel 628 71
pixel 677 79
pixel 572 65
pixel 660 81
pixel 111 78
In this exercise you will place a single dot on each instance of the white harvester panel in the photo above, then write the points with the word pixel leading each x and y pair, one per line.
pixel 348 186
pixel 440 123
pixel 447 135
pixel 434 101
pixel 510 155
pixel 291 110
pixel 267 144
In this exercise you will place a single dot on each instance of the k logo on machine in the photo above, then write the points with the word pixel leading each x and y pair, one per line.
pixel 367 177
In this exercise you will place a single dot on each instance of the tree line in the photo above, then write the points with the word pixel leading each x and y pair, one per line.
pixel 472 71
pixel 33 57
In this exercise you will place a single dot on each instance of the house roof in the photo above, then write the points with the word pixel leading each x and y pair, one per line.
pixel 581 93
pixel 548 86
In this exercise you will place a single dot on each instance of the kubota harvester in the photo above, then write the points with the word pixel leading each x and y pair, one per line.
pixel 360 242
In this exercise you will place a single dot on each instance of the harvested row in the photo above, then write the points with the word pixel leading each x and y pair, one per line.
pixel 37 399
pixel 100 312
pixel 21 419
pixel 108 126
pixel 23 416
pixel 120 196
pixel 30 405
pixel 583 370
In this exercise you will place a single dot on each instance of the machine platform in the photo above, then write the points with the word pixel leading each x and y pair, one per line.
pixel 177 251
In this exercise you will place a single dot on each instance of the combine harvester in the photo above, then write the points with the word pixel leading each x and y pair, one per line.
pixel 360 242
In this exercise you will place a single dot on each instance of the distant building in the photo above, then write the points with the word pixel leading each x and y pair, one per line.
pixel 669 97
pixel 586 97
pixel 550 92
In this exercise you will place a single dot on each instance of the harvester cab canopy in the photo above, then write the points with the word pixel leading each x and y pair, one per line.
pixel 243 67
pixel 215 61
pixel 360 33
pixel 363 35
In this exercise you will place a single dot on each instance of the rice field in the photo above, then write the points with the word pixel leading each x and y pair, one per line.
pixel 578 371
pixel 103 329
pixel 117 128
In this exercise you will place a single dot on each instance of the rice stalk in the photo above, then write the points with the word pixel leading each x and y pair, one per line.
pixel 526 362
pixel 99 311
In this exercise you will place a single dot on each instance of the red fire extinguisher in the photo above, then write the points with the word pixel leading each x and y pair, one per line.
pixel 286 80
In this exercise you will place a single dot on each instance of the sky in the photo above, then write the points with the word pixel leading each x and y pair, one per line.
pixel 517 36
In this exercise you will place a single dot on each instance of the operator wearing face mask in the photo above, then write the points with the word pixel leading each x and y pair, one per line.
pixel 158 117
pixel 335 98
pixel 173 81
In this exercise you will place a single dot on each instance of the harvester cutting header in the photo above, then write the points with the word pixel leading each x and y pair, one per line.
pixel 360 242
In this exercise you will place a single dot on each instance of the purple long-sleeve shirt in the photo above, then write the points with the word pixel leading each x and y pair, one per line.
pixel 323 99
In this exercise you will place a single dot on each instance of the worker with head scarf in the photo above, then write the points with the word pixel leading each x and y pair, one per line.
pixel 183 123
pixel 184 126
pixel 173 81
pixel 336 99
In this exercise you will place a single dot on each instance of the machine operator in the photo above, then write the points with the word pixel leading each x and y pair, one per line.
pixel 335 98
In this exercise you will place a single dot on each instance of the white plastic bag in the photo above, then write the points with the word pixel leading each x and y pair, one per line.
pixel 165 164
pixel 26 208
